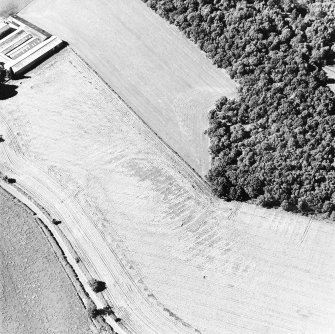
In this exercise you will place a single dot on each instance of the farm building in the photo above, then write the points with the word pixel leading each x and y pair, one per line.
pixel 22 44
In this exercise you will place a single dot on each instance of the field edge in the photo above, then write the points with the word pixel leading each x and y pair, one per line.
pixel 65 254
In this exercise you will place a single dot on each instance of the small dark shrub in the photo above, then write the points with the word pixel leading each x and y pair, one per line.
pixel 96 285
pixel 302 205
pixel 328 207
pixel 107 310
pixel 4 73
pixel 92 310
pixel 9 179
pixel 56 221
pixel 285 205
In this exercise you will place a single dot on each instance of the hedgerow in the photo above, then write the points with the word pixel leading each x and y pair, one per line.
pixel 274 144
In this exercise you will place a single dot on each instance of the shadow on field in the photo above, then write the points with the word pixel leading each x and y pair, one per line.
pixel 21 77
pixel 7 91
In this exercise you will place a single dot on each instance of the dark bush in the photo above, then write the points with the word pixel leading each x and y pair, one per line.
pixel 107 310
pixel 4 74
pixel 9 179
pixel 285 205
pixel 56 221
pixel 96 285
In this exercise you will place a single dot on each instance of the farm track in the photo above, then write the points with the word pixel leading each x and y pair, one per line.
pixel 175 259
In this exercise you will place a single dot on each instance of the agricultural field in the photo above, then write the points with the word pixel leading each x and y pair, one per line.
pixel 330 70
pixel 174 258
pixel 274 144
pixel 8 7
pixel 159 73
pixel 36 295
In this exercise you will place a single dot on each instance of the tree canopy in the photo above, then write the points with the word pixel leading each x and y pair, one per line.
pixel 275 143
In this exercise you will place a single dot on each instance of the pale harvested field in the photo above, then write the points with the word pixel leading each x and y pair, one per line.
pixel 156 70
pixel 175 260
pixel 8 7
pixel 330 70
pixel 36 295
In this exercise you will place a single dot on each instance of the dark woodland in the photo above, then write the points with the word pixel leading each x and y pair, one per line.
pixel 274 144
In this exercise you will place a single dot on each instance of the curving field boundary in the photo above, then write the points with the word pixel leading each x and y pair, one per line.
pixel 69 253
pixel 175 259
pixel 161 75
pixel 139 314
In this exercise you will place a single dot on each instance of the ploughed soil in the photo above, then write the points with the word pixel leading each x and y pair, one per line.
pixel 36 295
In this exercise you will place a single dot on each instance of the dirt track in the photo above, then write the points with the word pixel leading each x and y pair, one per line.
pixel 174 259
pixel 157 71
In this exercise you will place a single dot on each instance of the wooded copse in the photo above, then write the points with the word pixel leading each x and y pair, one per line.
pixel 274 144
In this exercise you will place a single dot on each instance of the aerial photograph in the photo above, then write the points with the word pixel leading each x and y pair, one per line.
pixel 167 167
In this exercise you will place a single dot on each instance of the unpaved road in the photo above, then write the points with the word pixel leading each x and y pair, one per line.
pixel 157 71
pixel 36 295
pixel 175 260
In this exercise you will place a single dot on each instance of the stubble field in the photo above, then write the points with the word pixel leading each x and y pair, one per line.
pixel 175 259
pixel 160 74
pixel 330 70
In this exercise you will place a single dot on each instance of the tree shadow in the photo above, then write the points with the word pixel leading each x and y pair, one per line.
pixel 7 91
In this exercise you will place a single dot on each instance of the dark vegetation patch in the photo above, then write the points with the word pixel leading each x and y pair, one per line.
pixel 96 285
pixel 56 221
pixel 275 143
pixel 9 179
pixel 6 91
